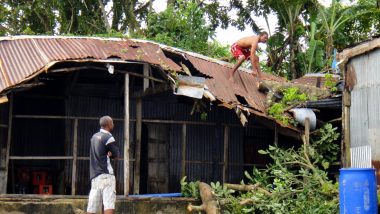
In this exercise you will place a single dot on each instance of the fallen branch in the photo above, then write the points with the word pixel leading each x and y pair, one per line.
pixel 209 203
pixel 242 187
pixel 247 201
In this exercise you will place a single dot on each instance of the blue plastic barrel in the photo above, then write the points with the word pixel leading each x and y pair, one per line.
pixel 357 191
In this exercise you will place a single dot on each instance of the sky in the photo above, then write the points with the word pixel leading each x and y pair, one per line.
pixel 231 34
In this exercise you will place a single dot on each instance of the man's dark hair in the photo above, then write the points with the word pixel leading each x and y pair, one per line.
pixel 263 33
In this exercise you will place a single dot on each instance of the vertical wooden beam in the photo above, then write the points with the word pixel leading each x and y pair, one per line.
pixel 146 73
pixel 137 168
pixel 151 80
pixel 346 132
pixel 75 155
pixel 136 185
pixel 126 135
pixel 225 153
pixel 183 141
pixel 346 142
pixel 307 131
pixel 275 142
pixel 9 139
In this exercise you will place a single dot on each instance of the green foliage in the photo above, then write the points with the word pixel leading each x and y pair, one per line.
pixel 330 83
pixel 362 25
pixel 290 96
pixel 217 50
pixel 221 191
pixel 295 180
pixel 324 143
pixel 184 25
pixel 73 17
pixel 315 52
pixel 277 111
pixel 204 116
pixel 189 189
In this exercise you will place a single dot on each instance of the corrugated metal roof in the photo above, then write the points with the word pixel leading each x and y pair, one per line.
pixel 244 84
pixel 315 79
pixel 360 49
pixel 329 103
pixel 23 57
pixel 310 81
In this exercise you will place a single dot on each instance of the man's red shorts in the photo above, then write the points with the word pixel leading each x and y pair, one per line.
pixel 237 51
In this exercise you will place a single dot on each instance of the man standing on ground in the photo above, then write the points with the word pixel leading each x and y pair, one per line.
pixel 103 183
pixel 246 48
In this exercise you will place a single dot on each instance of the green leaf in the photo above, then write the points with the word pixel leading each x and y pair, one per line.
pixel 263 152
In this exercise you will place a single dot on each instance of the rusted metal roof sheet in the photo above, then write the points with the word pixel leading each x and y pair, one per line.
pixel 315 79
pixel 311 81
pixel 244 84
pixel 21 58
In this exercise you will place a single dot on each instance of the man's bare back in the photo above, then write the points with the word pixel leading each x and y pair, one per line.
pixel 247 42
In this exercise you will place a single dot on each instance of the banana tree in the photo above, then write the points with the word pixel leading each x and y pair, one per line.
pixel 332 18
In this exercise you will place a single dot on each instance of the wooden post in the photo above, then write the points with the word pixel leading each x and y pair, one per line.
pixel 346 138
pixel 136 185
pixel 146 73
pixel 225 153
pixel 74 169
pixel 183 141
pixel 126 135
pixel 346 142
pixel 275 142
pixel 307 131
pixel 9 139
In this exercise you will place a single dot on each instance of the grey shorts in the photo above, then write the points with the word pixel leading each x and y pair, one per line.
pixel 103 189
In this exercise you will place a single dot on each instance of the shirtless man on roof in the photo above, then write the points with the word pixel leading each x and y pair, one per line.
pixel 245 48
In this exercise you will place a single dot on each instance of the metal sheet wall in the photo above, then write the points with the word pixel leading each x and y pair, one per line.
pixel 3 124
pixel 235 155
pixel 168 107
pixel 3 143
pixel 202 146
pixel 175 157
pixel 365 102
pixel 96 107
pixel 204 142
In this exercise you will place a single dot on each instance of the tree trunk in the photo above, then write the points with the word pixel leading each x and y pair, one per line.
pixel 329 50
pixel 104 16
pixel 209 203
pixel 117 15
pixel 292 59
